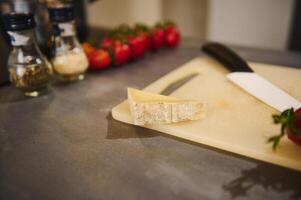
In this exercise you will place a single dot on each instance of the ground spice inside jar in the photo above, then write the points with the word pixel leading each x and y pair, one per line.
pixel 70 63
pixel 30 77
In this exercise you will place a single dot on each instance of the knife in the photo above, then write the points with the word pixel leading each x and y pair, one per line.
pixel 243 76
pixel 178 83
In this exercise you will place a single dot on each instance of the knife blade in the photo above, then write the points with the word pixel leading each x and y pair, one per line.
pixel 243 76
pixel 170 88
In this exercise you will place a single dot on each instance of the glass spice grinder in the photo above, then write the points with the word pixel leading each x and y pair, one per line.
pixel 68 58
pixel 29 70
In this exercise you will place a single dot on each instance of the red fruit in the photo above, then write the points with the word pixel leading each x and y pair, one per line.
pixel 143 31
pixel 137 45
pixel 172 36
pixel 147 41
pixel 106 42
pixel 296 127
pixel 157 38
pixel 294 138
pixel 170 29
pixel 121 53
pixel 290 125
pixel 88 49
pixel 100 59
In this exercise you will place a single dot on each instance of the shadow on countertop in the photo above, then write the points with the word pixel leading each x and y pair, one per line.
pixel 9 94
pixel 265 177
pixel 119 130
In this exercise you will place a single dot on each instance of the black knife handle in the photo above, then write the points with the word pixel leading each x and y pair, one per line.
pixel 226 56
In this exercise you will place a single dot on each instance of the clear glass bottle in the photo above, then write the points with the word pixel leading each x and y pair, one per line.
pixel 29 70
pixel 68 58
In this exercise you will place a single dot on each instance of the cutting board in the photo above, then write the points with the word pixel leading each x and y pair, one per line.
pixel 235 121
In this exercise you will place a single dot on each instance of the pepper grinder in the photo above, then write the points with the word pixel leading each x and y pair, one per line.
pixel 28 69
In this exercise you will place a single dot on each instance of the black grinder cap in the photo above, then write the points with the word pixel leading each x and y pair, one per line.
pixel 61 13
pixel 18 21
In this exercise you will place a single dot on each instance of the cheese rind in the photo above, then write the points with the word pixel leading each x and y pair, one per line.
pixel 149 108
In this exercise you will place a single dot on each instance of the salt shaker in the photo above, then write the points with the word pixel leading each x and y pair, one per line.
pixel 28 68
pixel 69 60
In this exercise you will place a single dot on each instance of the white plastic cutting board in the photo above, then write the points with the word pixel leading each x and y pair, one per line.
pixel 235 121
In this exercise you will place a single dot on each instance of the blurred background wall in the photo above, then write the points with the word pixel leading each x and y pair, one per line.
pixel 254 23
pixel 257 23
pixel 110 13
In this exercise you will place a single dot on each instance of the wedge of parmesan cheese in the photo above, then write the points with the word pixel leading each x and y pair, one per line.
pixel 150 108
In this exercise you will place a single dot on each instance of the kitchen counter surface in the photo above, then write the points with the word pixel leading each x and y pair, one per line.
pixel 65 145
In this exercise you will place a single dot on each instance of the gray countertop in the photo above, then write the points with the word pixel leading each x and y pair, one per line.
pixel 65 145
